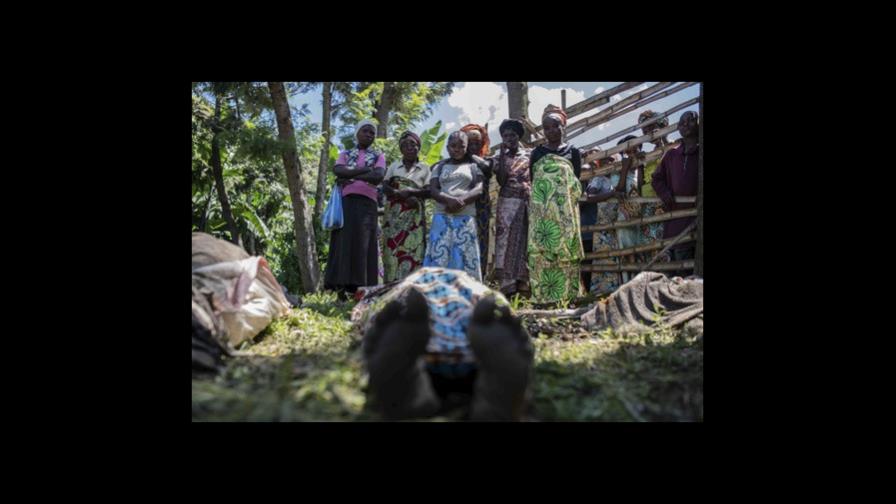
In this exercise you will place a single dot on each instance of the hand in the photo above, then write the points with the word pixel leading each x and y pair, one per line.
pixel 412 202
pixel 454 204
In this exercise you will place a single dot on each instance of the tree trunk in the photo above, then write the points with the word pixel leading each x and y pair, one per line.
pixel 324 166
pixel 218 173
pixel 382 112
pixel 518 100
pixel 203 222
pixel 698 267
pixel 304 232
pixel 250 244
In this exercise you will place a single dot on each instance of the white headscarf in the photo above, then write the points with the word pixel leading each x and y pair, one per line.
pixel 363 123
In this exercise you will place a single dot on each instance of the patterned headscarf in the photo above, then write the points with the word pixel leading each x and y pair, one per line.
pixel 555 112
pixel 647 114
pixel 484 133
pixel 412 135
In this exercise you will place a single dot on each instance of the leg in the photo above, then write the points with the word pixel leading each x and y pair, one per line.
pixel 393 350
pixel 504 355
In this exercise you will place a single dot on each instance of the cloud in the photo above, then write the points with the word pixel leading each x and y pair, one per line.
pixel 450 125
pixel 599 90
pixel 540 97
pixel 479 102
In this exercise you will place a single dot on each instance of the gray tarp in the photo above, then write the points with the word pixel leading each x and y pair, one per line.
pixel 636 303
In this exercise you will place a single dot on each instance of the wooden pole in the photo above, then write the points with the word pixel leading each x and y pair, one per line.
pixel 618 268
pixel 647 122
pixel 639 199
pixel 698 269
pixel 605 254
pixel 598 99
pixel 518 103
pixel 675 214
pixel 563 99
pixel 629 144
pixel 583 106
pixel 632 108
pixel 588 173
pixel 680 237
pixel 578 312
pixel 605 114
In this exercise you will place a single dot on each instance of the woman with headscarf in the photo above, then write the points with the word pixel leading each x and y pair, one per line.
pixel 555 239
pixel 603 191
pixel 406 184
pixel 353 257
pixel 652 232
pixel 478 148
pixel 511 232
pixel 455 185
pixel 612 194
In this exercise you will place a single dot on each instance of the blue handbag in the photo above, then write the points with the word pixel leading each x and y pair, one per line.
pixel 332 218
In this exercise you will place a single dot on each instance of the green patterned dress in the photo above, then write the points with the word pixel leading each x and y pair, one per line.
pixel 555 239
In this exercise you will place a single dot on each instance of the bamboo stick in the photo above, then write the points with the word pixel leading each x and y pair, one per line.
pixel 598 99
pixel 620 105
pixel 555 313
pixel 627 145
pixel 588 173
pixel 633 107
pixel 604 254
pixel 675 214
pixel 583 106
pixel 648 122
pixel 677 239
pixel 638 199
pixel 608 113
pixel 619 268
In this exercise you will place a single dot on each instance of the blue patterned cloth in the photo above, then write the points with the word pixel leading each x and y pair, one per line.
pixel 453 243
pixel 451 296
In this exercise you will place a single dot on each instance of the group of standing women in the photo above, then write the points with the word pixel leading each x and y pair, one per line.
pixel 528 239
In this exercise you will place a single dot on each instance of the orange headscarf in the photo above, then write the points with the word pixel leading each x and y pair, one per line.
pixel 555 111
pixel 484 151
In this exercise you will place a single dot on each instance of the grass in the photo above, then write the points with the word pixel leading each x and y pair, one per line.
pixel 307 367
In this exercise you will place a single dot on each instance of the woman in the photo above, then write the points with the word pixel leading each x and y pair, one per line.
pixel 555 240
pixel 352 260
pixel 478 148
pixel 652 232
pixel 455 185
pixel 602 191
pixel 629 184
pixel 405 186
pixel 512 173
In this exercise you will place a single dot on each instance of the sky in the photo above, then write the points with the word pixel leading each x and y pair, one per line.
pixel 486 102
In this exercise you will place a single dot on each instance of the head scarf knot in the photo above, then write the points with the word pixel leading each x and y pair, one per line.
pixel 482 131
pixel 555 112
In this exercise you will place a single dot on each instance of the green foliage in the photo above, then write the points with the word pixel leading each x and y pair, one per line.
pixel 431 144
pixel 251 155
pixel 307 366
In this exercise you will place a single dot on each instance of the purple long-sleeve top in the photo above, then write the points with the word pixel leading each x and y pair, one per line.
pixel 676 175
